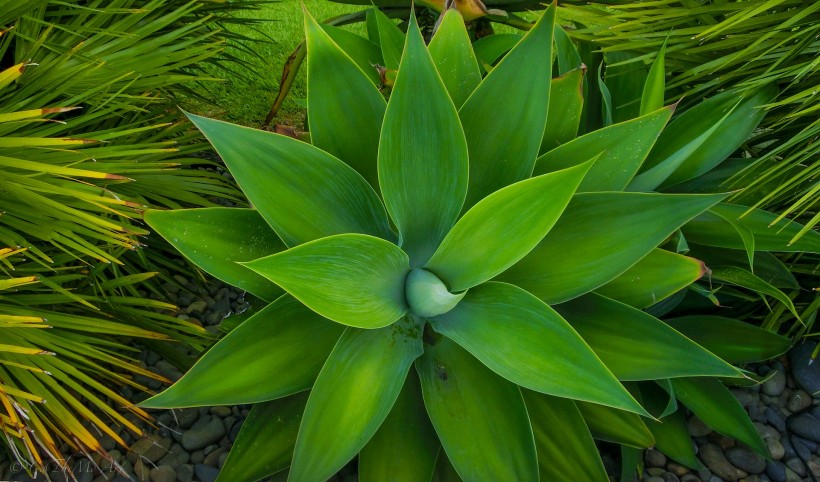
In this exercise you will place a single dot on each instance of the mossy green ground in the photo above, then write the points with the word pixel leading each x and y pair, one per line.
pixel 246 94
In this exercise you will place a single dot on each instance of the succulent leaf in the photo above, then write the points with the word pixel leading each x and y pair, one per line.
pixel 214 379
pixel 352 396
pixel 353 279
pixel 391 39
pixel 360 109
pixel 422 154
pixel 503 227
pixel 731 340
pixel 568 458
pixel 427 295
pixel 624 145
pixel 504 118
pixel 405 447
pixel 655 277
pixel 596 240
pixel 272 425
pixel 365 53
pixel 301 191
pixel 490 48
pixel 566 107
pixel 525 341
pixel 625 350
pixel 215 239
pixel 453 55
pixel 718 408
pixel 459 392
pixel 655 86
pixel 616 426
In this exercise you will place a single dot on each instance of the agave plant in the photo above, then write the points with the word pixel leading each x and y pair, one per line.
pixel 443 299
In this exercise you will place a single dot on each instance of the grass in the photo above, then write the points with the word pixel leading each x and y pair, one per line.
pixel 246 95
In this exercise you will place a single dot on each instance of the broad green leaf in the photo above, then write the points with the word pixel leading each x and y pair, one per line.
pixel 655 86
pixel 454 58
pixel 606 98
pixel 353 279
pixel 766 265
pixel 216 238
pixel 346 126
pixel 659 275
pixel 284 338
pixel 444 470
pixel 301 191
pixel 503 227
pixel 624 79
pixel 712 229
pixel 616 426
pixel 405 447
pixel 624 147
pixel 505 117
pixel 631 458
pixel 566 451
pixel 670 432
pixel 525 341
pixel 598 237
pixel 490 48
pixel 365 53
pixel 459 393
pixel 566 53
pixel 391 39
pixel 352 396
pixel 618 334
pixel 566 106
pixel 718 408
pixel 422 155
pixel 745 279
pixel 741 123
pixel 700 138
pixel 272 425
pixel 730 339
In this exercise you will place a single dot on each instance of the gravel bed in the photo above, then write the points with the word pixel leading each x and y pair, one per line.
pixel 191 445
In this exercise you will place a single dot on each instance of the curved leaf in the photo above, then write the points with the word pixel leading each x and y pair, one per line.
pixel 352 396
pixel 618 334
pixel 216 238
pixel 301 191
pixel 365 53
pixel 453 55
pixel 566 106
pixel 503 227
pixel 718 408
pixel 459 392
pixel 655 277
pixel 766 265
pixel 566 451
pixel 422 155
pixel 670 432
pixel 492 47
pixel 745 279
pixel 712 229
pixel 731 340
pixel 616 426
pixel 391 39
pixel 353 279
pixel 360 110
pixel 519 337
pixel 655 86
pixel 566 53
pixel 505 117
pixel 598 237
pixel 405 447
pixel 284 338
pixel 272 425
pixel 624 147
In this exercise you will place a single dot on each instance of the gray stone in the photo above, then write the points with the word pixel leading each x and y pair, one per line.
pixel 163 473
pixel 205 473
pixel 805 372
pixel 792 476
pixel 197 457
pixel 221 412
pixel 151 447
pixel 655 458
pixel 776 471
pixel 677 469
pixel 185 473
pixel 652 478
pixel 200 435
pixel 212 459
pixel 168 371
pixel 690 478
pixel 697 428
pixel 142 472
pixel 745 397
pixel 713 458
pixel 775 448
pixel 804 425
pixel 797 466
pixel 746 460
pixel 775 385
pixel 799 400
pixel 197 307
pixel 776 419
